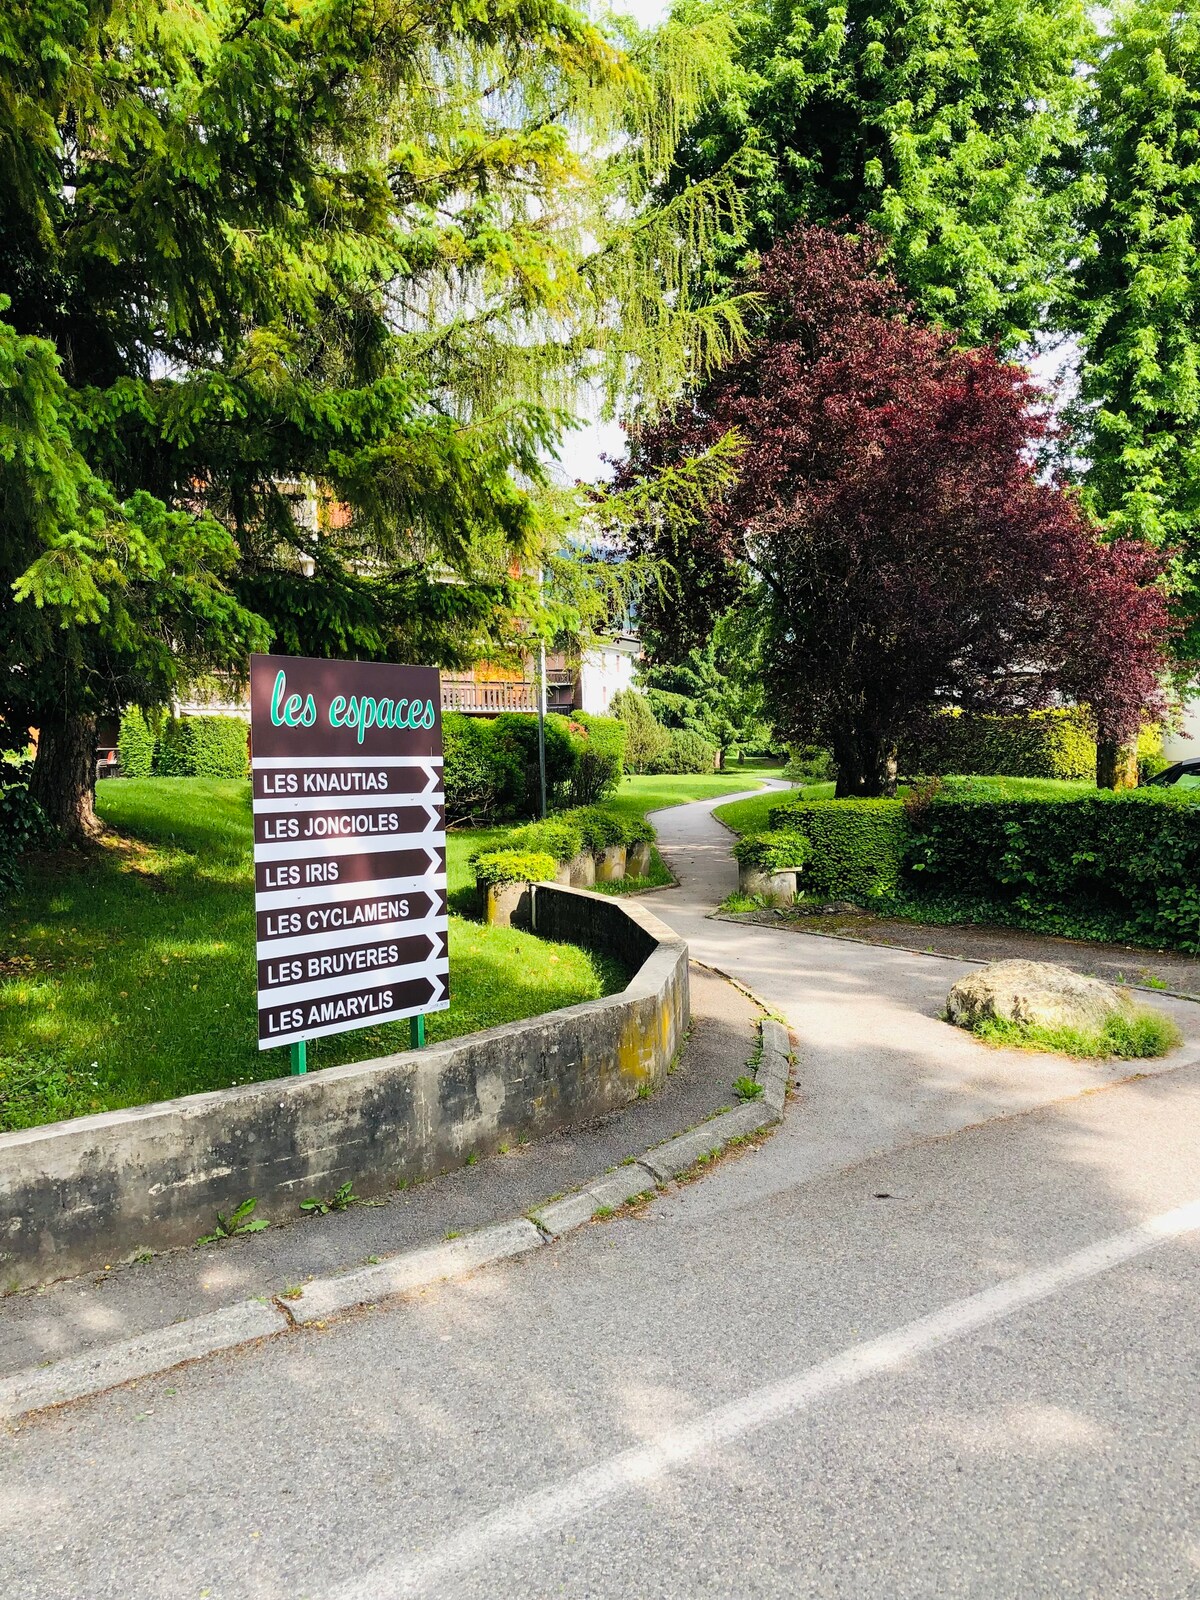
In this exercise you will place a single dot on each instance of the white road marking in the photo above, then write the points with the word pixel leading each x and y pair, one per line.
pixel 548 1509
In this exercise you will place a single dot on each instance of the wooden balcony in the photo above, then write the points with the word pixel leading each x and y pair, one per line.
pixel 488 697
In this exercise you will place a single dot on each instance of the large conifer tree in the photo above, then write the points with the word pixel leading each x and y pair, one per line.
pixel 253 253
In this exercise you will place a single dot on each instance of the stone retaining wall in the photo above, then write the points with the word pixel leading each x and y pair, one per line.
pixel 77 1194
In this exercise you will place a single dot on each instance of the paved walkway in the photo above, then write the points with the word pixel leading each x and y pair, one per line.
pixel 962 1367
pixel 878 1068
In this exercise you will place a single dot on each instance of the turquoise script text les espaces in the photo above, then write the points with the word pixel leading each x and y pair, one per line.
pixel 359 712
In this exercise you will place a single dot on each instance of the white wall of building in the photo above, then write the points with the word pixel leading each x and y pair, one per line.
pixel 603 672
pixel 1185 745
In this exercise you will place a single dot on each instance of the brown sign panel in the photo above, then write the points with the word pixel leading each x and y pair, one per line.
pixel 348 709
pixel 349 845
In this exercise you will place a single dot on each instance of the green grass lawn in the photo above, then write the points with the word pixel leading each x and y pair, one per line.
pixel 754 816
pixel 128 975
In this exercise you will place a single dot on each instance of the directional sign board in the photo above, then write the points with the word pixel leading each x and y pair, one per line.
pixel 349 845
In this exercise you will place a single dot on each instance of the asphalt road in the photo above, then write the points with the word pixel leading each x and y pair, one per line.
pixel 897 1352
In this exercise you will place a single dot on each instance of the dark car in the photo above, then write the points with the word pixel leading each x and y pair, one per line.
pixel 1183 775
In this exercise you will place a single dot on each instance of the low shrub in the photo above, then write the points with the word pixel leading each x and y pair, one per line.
pixel 684 752
pixel 808 763
pixel 557 836
pixel 1038 744
pixel 599 828
pixel 136 744
pixel 514 866
pixel 638 831
pixel 857 846
pixel 203 747
pixel 773 852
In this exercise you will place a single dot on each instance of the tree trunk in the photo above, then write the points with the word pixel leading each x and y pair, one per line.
pixel 1116 765
pixel 64 776
pixel 866 767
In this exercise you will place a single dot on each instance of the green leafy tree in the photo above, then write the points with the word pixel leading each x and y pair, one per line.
pixel 297 304
pixel 1138 305
pixel 950 126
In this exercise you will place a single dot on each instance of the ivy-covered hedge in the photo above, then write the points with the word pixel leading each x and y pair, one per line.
pixel 203 747
pixel 1123 867
pixel 1040 744
pixel 857 846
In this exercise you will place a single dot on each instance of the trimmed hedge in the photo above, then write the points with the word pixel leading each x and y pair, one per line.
pixel 203 747
pixel 1040 744
pixel 857 846
pixel 773 852
pixel 136 744
pixel 514 866
pixel 1123 867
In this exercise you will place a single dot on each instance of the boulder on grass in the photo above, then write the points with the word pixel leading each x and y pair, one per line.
pixel 1034 992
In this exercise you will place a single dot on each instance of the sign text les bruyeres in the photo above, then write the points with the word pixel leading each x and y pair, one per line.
pixel 349 845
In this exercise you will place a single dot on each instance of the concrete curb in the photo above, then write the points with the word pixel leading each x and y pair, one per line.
pixel 323 1299
pixel 415 1269
pixel 140 1357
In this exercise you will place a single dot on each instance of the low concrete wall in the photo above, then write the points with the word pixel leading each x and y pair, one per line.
pixel 78 1194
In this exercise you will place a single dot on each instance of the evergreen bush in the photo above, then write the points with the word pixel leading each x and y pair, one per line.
pixel 646 740
pixel 685 752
